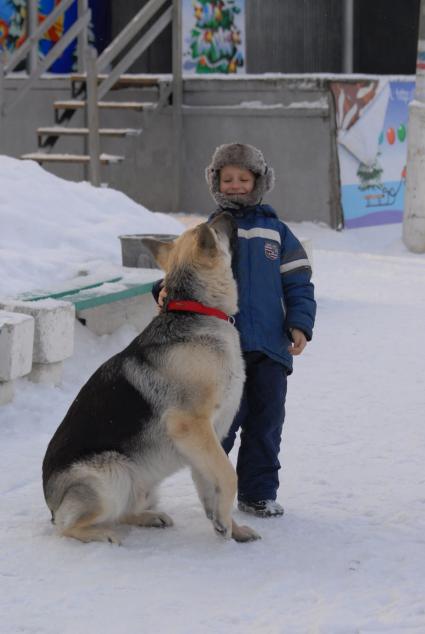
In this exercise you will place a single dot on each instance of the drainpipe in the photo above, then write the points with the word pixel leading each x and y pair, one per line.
pixel 414 202
pixel 348 36
pixel 177 104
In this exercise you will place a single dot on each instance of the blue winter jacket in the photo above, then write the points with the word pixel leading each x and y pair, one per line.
pixel 273 275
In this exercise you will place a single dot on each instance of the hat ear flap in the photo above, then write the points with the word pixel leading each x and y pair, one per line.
pixel 269 179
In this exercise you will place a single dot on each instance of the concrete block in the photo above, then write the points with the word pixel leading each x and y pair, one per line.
pixel 46 373
pixel 6 392
pixel 103 320
pixel 54 327
pixel 16 345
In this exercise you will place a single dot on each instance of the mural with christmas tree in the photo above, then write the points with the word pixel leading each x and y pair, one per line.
pixel 214 36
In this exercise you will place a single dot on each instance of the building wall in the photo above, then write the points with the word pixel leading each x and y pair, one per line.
pixel 289 118
pixel 306 36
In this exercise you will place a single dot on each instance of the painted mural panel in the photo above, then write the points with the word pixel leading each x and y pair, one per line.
pixel 213 36
pixel 13 29
pixel 372 117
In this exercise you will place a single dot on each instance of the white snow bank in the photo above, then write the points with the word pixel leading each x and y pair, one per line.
pixel 347 557
pixel 52 228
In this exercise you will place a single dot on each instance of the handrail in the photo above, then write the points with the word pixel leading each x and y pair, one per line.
pixel 128 33
pixel 135 52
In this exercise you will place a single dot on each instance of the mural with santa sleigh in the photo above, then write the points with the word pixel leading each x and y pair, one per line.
pixel 372 118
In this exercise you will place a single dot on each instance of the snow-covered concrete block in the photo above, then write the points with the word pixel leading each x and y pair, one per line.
pixel 103 320
pixel 6 392
pixel 54 327
pixel 16 345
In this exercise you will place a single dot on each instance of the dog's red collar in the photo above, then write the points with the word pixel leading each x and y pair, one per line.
pixel 196 307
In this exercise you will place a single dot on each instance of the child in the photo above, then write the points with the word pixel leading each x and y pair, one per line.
pixel 275 318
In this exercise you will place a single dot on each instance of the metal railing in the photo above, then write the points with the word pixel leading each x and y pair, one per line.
pixel 92 66
pixel 98 87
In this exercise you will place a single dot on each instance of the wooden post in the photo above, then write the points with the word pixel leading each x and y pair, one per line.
pixel 32 7
pixel 93 117
pixel 83 38
pixel 177 102
pixel 414 202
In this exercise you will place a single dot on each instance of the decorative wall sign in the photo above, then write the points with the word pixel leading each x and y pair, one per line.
pixel 13 29
pixel 213 36
pixel 372 118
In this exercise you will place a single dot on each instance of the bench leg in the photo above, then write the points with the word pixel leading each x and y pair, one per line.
pixel 47 373
pixel 7 391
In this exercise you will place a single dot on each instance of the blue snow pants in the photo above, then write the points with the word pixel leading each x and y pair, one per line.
pixel 260 418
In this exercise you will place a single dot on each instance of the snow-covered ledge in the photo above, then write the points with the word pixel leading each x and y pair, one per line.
pixel 16 348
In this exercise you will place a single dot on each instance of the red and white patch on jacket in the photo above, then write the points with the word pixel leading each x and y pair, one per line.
pixel 271 249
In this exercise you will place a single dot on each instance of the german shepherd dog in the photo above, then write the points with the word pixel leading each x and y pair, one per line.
pixel 162 403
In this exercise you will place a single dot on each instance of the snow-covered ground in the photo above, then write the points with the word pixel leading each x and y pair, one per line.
pixel 349 554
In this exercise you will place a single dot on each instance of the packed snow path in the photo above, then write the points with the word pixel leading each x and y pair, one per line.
pixel 348 556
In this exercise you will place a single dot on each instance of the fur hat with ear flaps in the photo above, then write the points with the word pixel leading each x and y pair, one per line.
pixel 246 157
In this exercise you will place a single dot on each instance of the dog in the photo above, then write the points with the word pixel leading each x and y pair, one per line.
pixel 164 402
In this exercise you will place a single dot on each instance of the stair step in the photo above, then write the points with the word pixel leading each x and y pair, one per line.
pixel 42 157
pixel 123 81
pixel 64 131
pixel 77 104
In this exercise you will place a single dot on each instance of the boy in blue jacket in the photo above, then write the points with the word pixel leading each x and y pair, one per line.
pixel 275 318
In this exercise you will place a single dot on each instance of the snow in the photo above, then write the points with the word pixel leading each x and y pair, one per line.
pixel 347 557
pixel 52 229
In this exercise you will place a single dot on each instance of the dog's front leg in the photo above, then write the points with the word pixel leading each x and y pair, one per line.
pixel 196 440
pixel 206 492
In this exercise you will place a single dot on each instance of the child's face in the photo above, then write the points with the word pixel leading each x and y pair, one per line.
pixel 236 181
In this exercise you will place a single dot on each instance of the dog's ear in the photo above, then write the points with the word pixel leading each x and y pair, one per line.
pixel 160 251
pixel 206 240
pixel 224 224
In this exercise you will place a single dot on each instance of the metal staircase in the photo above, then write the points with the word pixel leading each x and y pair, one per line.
pixel 91 87
pixel 64 111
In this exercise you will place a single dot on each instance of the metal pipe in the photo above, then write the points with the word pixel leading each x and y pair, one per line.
pixel 83 37
pixel 348 36
pixel 32 7
pixel 93 117
pixel 177 100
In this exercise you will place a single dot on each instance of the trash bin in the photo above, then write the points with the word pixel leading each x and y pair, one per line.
pixel 135 254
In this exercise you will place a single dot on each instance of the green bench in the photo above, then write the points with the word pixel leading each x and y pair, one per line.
pixel 105 304
pixel 86 294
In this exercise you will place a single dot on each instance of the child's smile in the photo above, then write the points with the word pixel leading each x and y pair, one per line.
pixel 236 181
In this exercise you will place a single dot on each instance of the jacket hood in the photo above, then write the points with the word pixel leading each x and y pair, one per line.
pixel 246 157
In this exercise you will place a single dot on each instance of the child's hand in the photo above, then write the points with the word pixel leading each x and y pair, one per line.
pixel 162 295
pixel 299 342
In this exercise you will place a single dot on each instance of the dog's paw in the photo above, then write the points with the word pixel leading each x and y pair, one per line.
pixel 161 520
pixel 92 534
pixel 149 519
pixel 112 539
pixel 222 530
pixel 244 533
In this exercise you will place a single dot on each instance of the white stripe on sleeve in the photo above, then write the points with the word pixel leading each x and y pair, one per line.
pixel 258 232
pixel 296 264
